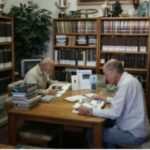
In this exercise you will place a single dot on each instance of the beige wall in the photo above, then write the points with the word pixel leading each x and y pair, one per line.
pixel 50 5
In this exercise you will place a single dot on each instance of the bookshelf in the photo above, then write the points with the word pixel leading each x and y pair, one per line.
pixel 6 52
pixel 75 45
pixel 123 38
pixel 128 40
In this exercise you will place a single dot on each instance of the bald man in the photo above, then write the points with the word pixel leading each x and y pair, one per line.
pixel 41 75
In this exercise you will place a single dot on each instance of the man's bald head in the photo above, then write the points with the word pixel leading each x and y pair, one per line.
pixel 47 65
pixel 47 61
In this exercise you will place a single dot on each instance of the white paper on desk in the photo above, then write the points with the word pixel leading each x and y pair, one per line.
pixel 75 98
pixel 90 104
pixel 63 89
pixel 89 95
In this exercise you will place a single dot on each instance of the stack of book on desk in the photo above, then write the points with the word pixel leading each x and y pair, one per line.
pixel 25 96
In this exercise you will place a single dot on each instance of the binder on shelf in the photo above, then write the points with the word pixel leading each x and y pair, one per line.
pixel 142 44
pixel 5 32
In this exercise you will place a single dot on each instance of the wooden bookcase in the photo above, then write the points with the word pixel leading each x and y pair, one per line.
pixel 128 40
pixel 124 38
pixel 75 45
pixel 6 52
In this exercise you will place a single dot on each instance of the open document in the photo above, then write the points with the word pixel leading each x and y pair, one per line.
pixel 61 88
pixel 85 100
pixel 90 103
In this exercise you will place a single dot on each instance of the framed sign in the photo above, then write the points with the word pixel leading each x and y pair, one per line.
pixel 95 2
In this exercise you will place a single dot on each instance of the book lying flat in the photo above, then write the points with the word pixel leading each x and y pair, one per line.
pixel 24 97
pixel 47 98
pixel 24 87
pixel 27 102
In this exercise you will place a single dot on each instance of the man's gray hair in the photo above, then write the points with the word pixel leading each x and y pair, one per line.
pixel 46 61
pixel 114 64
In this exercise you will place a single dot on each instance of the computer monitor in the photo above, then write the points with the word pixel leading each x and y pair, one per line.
pixel 27 64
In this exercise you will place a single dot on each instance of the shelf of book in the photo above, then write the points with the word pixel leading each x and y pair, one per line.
pixel 126 34
pixel 73 66
pixel 123 52
pixel 6 52
pixel 76 47
pixel 127 39
pixel 75 43
pixel 6 69
pixel 87 43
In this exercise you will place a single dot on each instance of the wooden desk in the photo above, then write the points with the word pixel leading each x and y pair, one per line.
pixel 59 111
pixel 6 146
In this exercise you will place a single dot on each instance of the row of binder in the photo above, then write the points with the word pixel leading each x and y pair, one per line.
pixel 80 57
pixel 128 60
pixel 124 43
pixel 125 26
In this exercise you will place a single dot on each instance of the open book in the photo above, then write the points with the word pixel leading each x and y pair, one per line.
pixel 90 103
pixel 61 87
pixel 85 100
pixel 77 98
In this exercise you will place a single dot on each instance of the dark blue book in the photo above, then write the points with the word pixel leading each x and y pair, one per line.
pixel 24 87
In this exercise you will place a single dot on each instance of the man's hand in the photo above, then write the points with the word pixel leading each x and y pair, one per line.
pixel 52 91
pixel 85 110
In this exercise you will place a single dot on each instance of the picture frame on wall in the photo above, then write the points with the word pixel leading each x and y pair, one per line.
pixel 95 2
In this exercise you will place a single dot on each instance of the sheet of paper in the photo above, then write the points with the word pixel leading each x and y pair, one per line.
pixel 60 87
pixel 75 98
pixel 94 104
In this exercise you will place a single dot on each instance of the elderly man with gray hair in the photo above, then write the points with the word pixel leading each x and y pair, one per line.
pixel 127 107
pixel 41 75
